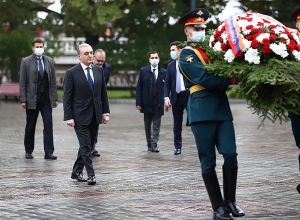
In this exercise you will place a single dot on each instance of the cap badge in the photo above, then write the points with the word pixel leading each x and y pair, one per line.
pixel 200 13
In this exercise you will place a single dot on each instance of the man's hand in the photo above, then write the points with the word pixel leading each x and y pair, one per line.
pixel 139 107
pixel 56 103
pixel 167 104
pixel 23 105
pixel 71 122
pixel 105 119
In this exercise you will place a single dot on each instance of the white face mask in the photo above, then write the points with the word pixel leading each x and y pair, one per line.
pixel 197 36
pixel 154 62
pixel 38 51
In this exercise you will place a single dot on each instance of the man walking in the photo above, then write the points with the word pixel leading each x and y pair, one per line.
pixel 38 93
pixel 99 60
pixel 85 107
pixel 179 95
pixel 149 98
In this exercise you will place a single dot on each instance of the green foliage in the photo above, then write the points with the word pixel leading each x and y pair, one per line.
pixel 13 46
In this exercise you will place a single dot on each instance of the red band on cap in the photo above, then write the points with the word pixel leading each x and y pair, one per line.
pixel 297 17
pixel 198 20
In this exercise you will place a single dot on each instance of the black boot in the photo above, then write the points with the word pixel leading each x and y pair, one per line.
pixel 229 187
pixel 215 196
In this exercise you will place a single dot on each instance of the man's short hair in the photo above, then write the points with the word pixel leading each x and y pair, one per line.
pixel 82 45
pixel 152 52
pixel 178 44
pixel 37 40
pixel 99 51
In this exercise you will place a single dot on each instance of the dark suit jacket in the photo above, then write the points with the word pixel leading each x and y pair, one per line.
pixel 144 96
pixel 29 78
pixel 170 83
pixel 106 69
pixel 79 101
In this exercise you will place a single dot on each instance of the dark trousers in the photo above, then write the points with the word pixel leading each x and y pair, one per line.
pixel 152 135
pixel 215 134
pixel 43 106
pixel 96 140
pixel 177 110
pixel 86 136
pixel 295 122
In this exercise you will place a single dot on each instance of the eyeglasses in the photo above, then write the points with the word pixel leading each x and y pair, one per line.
pixel 99 61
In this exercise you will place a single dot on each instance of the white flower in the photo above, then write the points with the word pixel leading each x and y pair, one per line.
pixel 296 55
pixel 252 56
pixel 280 49
pixel 285 36
pixel 217 46
pixel 229 56
pixel 278 30
pixel 262 36
pixel 224 37
pixel 211 39
pixel 296 38
pixel 247 44
pixel 221 25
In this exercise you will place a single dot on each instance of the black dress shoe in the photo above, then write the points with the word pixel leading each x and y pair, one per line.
pixel 221 213
pixel 91 180
pixel 177 151
pixel 50 157
pixel 298 188
pixel 154 148
pixel 28 156
pixel 95 154
pixel 234 209
pixel 149 147
pixel 78 177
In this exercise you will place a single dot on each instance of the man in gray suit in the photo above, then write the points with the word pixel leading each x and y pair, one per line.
pixel 85 107
pixel 38 93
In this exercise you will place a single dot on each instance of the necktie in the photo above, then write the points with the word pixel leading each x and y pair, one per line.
pixel 178 82
pixel 90 80
pixel 154 76
pixel 40 67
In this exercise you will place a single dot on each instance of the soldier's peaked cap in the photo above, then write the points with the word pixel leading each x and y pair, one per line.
pixel 296 14
pixel 196 17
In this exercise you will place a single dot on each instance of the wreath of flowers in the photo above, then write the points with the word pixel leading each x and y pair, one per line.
pixel 264 56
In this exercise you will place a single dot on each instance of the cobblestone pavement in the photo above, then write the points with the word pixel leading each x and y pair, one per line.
pixel 133 183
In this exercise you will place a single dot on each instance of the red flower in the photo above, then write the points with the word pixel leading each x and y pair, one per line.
pixel 239 54
pixel 273 36
pixel 255 44
pixel 249 37
pixel 297 47
pixel 266 50
pixel 282 39
pixel 291 47
pixel 249 27
pixel 265 42
pixel 224 47
pixel 260 24
pixel 272 26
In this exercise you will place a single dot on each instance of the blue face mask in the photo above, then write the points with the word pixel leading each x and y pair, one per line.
pixel 173 55
pixel 198 36
pixel 154 62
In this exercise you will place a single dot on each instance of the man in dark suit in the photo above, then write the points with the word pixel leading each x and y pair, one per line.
pixel 85 107
pixel 99 60
pixel 210 117
pixel 179 95
pixel 150 99
pixel 295 118
pixel 38 93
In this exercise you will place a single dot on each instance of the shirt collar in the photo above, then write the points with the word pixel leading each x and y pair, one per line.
pixel 85 66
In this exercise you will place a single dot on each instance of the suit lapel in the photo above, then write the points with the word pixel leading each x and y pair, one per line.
pixel 82 76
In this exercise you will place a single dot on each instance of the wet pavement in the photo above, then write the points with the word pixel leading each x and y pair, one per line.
pixel 133 183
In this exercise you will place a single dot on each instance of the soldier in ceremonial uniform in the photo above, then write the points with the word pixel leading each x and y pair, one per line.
pixel 295 118
pixel 210 117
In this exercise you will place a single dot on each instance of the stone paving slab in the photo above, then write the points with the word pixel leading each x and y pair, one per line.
pixel 133 183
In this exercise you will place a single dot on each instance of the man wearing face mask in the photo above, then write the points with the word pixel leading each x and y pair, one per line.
pixel 150 99
pixel 210 117
pixel 38 93
pixel 179 95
